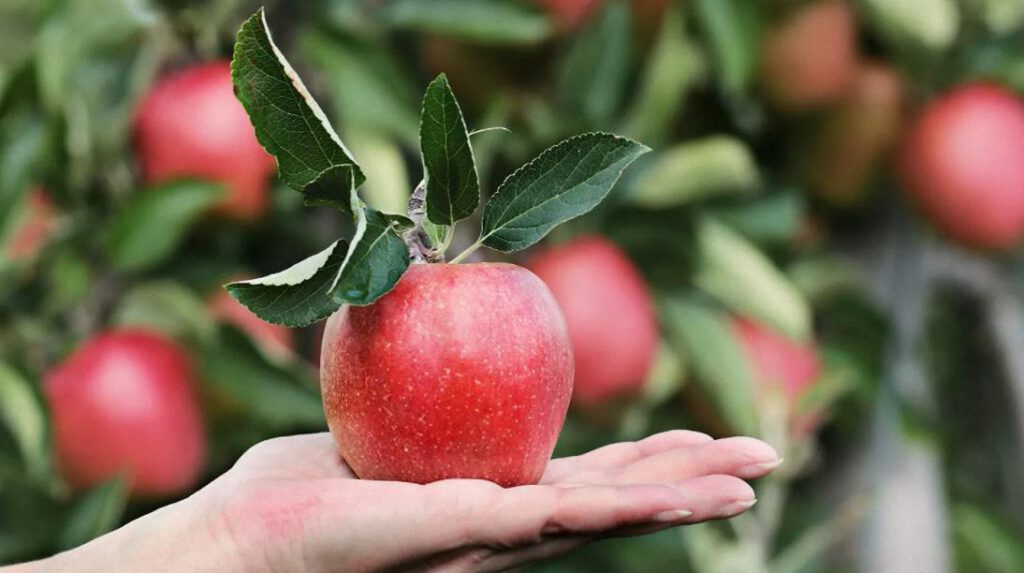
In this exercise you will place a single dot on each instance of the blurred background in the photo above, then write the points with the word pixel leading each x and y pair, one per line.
pixel 822 251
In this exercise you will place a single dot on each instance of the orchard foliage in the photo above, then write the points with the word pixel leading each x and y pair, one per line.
pixel 781 141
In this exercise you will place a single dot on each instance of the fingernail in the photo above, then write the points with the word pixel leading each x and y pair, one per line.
pixel 672 515
pixel 761 467
pixel 736 507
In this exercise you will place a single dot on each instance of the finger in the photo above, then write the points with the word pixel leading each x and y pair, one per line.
pixel 615 455
pixel 742 457
pixel 714 497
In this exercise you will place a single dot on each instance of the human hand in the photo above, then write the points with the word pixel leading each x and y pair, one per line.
pixel 292 504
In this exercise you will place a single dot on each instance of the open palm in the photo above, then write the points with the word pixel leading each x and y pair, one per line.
pixel 292 504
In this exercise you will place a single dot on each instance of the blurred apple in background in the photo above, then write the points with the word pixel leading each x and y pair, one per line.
pixel 124 404
pixel 853 139
pixel 276 340
pixel 781 365
pixel 569 14
pixel 610 314
pixel 35 224
pixel 191 125
pixel 963 163
pixel 810 57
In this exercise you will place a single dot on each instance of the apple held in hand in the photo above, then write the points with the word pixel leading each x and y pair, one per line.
pixel 781 365
pixel 461 371
pixel 123 404
pixel 963 163
pixel 429 370
pixel 810 58
pixel 191 125
pixel 610 315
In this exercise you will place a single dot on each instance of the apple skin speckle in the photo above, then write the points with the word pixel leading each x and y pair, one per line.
pixel 462 371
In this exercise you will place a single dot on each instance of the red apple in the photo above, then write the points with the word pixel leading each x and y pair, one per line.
pixel 35 225
pixel 462 371
pixel 569 14
pixel 274 339
pixel 191 125
pixel 781 365
pixel 123 404
pixel 610 315
pixel 854 138
pixel 964 164
pixel 810 58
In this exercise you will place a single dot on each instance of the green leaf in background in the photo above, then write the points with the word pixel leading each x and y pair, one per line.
pixel 776 218
pixel 733 29
pixel 484 21
pixel 695 170
pixel 673 66
pixel 152 225
pixel 985 541
pixel 297 296
pixel 741 277
pixel 565 181
pixel 714 354
pixel 288 121
pixel 595 71
pixel 370 89
pixel 97 513
pixel 1002 16
pixel 387 186
pixel 168 307
pixel 453 189
pixel 376 260
pixel 276 395
pixel 22 412
pixel 902 22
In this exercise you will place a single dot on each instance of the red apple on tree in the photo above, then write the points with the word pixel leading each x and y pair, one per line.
pixel 610 314
pixel 781 366
pixel 191 125
pixel 810 57
pixel 854 138
pixel 124 404
pixel 963 163
pixel 429 370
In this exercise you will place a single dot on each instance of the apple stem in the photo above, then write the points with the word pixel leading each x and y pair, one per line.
pixel 420 248
pixel 469 251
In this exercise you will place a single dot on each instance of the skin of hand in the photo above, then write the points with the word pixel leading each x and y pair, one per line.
pixel 292 504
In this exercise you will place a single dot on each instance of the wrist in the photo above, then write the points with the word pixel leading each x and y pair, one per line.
pixel 176 537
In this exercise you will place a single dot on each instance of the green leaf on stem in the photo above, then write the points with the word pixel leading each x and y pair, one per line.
pixel 565 181
pixel 289 123
pixel 299 295
pixel 453 189
pixel 376 260
pixel 153 224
